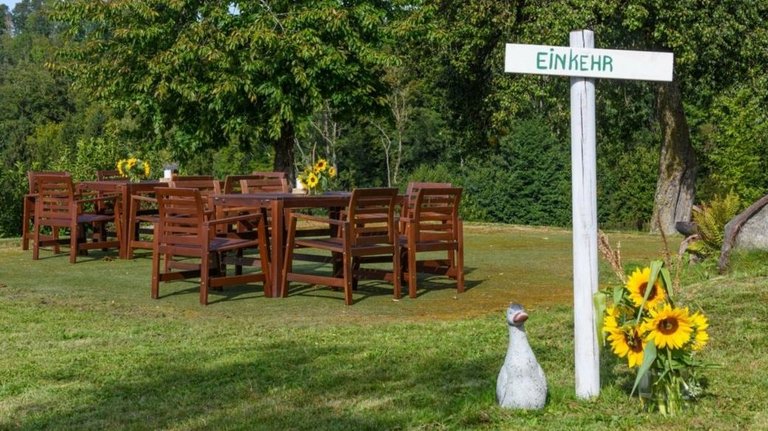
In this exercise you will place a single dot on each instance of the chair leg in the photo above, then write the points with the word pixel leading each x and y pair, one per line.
pixel 74 233
pixel 155 290
pixel 347 264
pixel 412 271
pixel 205 277
pixel 396 270
pixel 36 242
pixel 264 257
pixel 460 260
pixel 288 262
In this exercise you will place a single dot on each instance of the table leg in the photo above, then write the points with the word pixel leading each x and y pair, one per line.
pixel 124 230
pixel 278 249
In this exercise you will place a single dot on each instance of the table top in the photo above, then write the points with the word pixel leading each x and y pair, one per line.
pixel 288 200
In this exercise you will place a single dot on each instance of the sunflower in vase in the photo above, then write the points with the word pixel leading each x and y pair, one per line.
pixel 319 177
pixel 134 169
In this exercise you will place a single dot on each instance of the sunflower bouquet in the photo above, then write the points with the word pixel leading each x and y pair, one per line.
pixel 318 177
pixel 133 168
pixel 658 337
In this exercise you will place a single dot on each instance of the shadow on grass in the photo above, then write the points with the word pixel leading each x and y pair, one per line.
pixel 281 385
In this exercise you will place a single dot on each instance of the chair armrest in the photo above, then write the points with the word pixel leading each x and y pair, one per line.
pixel 105 197
pixel 144 198
pixel 234 219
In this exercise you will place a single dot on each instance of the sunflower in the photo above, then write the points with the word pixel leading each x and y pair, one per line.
pixel 321 165
pixel 146 169
pixel 700 335
pixel 668 327
pixel 637 286
pixel 331 171
pixel 628 341
pixel 120 170
pixel 611 322
pixel 312 180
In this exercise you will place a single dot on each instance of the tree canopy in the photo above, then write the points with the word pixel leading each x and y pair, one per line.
pixel 388 91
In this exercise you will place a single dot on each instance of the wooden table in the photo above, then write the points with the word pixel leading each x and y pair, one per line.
pixel 277 204
pixel 124 189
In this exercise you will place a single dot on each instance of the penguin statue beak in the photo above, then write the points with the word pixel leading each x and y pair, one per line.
pixel 520 317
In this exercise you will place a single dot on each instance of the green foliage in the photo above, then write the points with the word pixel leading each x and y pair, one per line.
pixel 734 141
pixel 527 182
pixel 624 194
pixel 14 184
pixel 712 218
pixel 218 77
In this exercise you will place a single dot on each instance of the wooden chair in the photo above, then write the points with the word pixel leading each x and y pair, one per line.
pixel 367 230
pixel 57 206
pixel 186 230
pixel 265 182
pixel 28 208
pixel 433 224
pixel 142 222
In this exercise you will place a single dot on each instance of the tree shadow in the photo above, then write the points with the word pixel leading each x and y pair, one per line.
pixel 282 385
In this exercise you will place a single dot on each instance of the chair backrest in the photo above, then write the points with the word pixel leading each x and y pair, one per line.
pixel 371 215
pixel 413 190
pixel 206 185
pixel 265 182
pixel 435 214
pixel 177 177
pixel 106 175
pixel 31 175
pixel 56 194
pixel 181 230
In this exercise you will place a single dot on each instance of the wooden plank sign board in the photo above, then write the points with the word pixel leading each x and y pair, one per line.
pixel 588 63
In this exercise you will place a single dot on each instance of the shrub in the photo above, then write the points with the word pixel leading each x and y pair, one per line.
pixel 711 220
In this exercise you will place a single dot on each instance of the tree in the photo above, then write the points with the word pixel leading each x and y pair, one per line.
pixel 715 44
pixel 215 72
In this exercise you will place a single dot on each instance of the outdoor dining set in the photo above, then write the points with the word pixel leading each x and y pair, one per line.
pixel 251 229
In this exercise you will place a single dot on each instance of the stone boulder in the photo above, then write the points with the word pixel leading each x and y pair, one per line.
pixel 748 231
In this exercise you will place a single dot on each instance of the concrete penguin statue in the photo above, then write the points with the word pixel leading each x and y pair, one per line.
pixel 521 383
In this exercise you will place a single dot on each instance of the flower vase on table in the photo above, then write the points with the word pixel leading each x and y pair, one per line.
pixel 318 178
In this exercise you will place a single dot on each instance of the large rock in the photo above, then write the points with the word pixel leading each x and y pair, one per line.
pixel 748 230
pixel 754 233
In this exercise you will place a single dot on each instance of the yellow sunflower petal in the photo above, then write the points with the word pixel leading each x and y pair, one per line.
pixel 637 286
pixel 669 327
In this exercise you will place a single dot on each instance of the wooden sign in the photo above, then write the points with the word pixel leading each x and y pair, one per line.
pixel 588 63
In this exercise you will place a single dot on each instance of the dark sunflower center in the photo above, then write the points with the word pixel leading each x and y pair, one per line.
pixel 634 342
pixel 651 295
pixel 668 326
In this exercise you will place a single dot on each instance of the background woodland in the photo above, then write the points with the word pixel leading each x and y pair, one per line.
pixel 388 92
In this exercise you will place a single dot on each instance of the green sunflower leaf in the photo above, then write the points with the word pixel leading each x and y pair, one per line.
pixel 649 356
pixel 599 299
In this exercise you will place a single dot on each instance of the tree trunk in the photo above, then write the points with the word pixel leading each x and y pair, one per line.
pixel 677 165
pixel 284 152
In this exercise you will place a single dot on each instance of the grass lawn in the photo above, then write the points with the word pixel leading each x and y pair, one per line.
pixel 84 347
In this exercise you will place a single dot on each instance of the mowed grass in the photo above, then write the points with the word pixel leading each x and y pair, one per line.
pixel 84 347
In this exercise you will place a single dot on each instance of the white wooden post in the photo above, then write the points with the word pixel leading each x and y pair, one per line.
pixel 584 63
pixel 584 193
